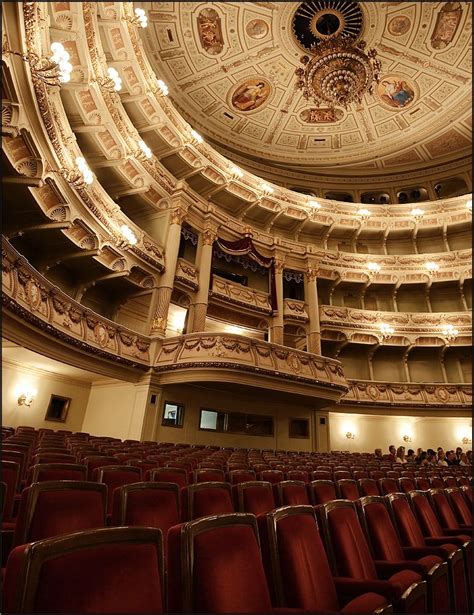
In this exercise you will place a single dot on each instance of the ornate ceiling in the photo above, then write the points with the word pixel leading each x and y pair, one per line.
pixel 230 68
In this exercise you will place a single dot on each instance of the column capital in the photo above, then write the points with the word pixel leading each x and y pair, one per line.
pixel 178 214
pixel 311 273
pixel 279 262
pixel 209 234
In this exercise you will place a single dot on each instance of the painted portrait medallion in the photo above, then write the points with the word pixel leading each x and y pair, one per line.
pixel 251 94
pixel 396 91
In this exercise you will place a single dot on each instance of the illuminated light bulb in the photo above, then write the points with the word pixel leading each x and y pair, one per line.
pixel 375 267
pixel 450 332
pixel 145 149
pixel 237 172
pixel 314 204
pixel 386 330
pixel 266 188
pixel 113 74
pixel 197 136
pixel 85 170
pixel 163 87
pixel 128 234
pixel 141 17
pixel 417 212
pixel 365 213
pixel 431 266
pixel 61 58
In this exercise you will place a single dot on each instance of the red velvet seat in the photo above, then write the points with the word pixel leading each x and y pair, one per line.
pixel 53 458
pixel 347 489
pixel 271 476
pixel 450 481
pixel 446 514
pixel 291 493
pixel 147 504
pixel 356 474
pixel 462 481
pixel 15 456
pixel 205 499
pixel 421 483
pixel 300 475
pixel 376 474
pixel 52 508
pixel 436 482
pixel 385 546
pixel 368 486
pixel 406 484
pixel 388 485
pixel 215 566
pixel 297 568
pixel 115 570
pixel 411 536
pixel 321 475
pixel 350 556
pixel 322 491
pixel 466 490
pixel 460 508
pixel 56 471
pixel 254 497
pixel 206 475
pixel 179 476
pixel 116 476
pixel 10 472
pixel 340 474
pixel 97 461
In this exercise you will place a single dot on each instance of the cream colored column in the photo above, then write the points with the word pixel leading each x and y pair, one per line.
pixel 276 328
pixel 198 310
pixel 163 292
pixel 312 308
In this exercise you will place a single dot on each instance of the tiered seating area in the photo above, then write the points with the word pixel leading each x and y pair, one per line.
pixel 234 530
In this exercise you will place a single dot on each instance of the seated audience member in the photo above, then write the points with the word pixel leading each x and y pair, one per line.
pixel 378 453
pixel 458 453
pixel 469 457
pixel 441 458
pixel 392 451
pixel 451 459
pixel 420 455
pixel 410 456
pixel 463 460
pixel 401 455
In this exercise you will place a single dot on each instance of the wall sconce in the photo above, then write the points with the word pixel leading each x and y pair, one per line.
pixel 84 170
pixel 450 332
pixel 386 331
pixel 431 267
pixel 162 87
pixel 350 435
pixel 27 398
pixel 469 205
pixel 466 440
pixel 417 213
pixel 140 18
pixel 407 439
pixel 144 153
pixel 127 237
pixel 314 204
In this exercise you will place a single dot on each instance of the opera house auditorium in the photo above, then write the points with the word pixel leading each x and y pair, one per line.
pixel 237 306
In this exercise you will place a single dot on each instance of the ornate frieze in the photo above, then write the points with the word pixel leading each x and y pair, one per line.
pixel 295 310
pixel 237 294
pixel 408 394
pixel 33 298
pixel 186 274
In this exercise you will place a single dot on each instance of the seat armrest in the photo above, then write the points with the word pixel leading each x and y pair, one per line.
pixel 416 552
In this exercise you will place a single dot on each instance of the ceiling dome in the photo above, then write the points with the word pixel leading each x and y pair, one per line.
pixel 230 69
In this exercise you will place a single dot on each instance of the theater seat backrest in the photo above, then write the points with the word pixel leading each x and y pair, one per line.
pixel 405 520
pixel 52 508
pixel 380 532
pixel 460 508
pixel 113 570
pixel 203 499
pixel 215 566
pixel 346 541
pixel 426 516
pixel 255 497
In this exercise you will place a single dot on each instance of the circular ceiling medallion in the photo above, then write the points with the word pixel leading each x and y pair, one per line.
pixel 399 25
pixel 314 22
pixel 396 91
pixel 257 28
pixel 250 94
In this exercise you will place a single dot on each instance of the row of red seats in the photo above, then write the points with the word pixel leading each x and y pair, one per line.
pixel 391 549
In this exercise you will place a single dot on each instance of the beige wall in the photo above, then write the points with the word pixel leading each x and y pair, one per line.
pixel 194 397
pixel 116 409
pixel 15 379
pixel 380 431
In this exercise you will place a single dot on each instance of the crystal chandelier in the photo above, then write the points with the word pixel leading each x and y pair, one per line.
pixel 339 73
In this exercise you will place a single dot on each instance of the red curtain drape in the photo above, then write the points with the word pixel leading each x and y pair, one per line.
pixel 245 246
